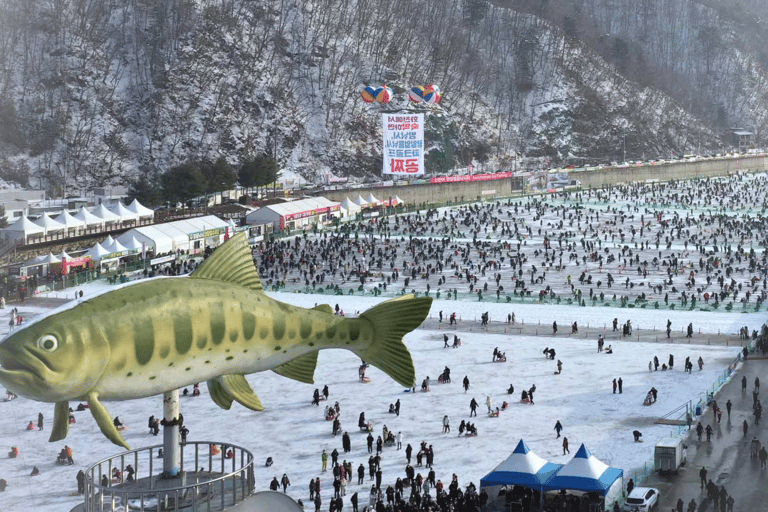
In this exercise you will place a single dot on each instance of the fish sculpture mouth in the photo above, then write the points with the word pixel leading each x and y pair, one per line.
pixel 26 372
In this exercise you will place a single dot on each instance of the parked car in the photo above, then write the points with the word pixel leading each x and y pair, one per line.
pixel 641 499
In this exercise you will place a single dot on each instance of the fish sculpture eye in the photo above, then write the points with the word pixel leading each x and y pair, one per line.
pixel 49 343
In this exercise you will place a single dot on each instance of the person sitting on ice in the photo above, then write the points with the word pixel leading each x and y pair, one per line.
pixel 504 406
pixel 391 410
pixel 118 424
pixel 510 389
pixel 609 350
pixel 196 389
pixel 501 357
pixel 495 413
pixel 524 396
pixel 31 425
pixel 13 453
pixel 637 435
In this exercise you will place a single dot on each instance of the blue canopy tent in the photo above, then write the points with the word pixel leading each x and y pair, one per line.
pixel 523 468
pixel 585 473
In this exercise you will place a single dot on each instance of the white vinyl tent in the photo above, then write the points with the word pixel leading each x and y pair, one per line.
pixel 22 229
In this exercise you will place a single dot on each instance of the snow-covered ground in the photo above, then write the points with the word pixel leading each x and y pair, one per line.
pixel 293 432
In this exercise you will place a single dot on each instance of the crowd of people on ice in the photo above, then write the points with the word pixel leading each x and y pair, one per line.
pixel 588 246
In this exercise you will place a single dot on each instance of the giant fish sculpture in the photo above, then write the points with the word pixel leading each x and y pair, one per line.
pixel 217 325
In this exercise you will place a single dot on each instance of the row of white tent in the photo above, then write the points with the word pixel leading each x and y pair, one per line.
pixel 163 238
pixel 84 219
pixel 352 206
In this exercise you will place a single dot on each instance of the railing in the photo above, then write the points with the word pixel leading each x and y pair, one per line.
pixel 216 486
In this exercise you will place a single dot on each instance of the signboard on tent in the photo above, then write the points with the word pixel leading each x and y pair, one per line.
pixel 403 144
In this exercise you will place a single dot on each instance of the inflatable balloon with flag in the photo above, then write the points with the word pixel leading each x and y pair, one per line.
pixel 383 94
pixel 416 94
pixel 432 94
pixel 369 94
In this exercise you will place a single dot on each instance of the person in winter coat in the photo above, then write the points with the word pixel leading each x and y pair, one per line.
pixel 408 452
pixel 274 484
pixel 369 439
pixel 399 440
pixel 558 428
pixel 671 361
pixel 39 421
pixel 311 489
pixel 473 408
pixel 554 327
pixel 346 443
pixel 446 424
pixel 353 500
pixel 285 483
pixel 80 482
pixel 318 502
pixel 621 383
pixel 489 403
pixel 324 458
pixel 565 446
pixel 614 386
pixel 334 456
pixel 466 383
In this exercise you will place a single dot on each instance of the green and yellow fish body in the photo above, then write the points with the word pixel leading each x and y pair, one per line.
pixel 217 325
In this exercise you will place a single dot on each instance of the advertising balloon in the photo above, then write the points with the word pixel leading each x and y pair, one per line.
pixel 416 94
pixel 383 94
pixel 369 94
pixel 432 94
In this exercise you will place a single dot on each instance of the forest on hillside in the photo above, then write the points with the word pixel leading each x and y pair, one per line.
pixel 104 91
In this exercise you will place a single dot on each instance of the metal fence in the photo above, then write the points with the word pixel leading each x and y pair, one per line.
pixel 208 482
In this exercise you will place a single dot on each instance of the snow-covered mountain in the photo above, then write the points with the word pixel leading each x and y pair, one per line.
pixel 101 92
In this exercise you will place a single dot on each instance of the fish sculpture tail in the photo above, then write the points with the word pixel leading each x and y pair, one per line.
pixel 392 320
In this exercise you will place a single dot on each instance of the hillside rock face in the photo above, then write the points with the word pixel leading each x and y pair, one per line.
pixel 101 92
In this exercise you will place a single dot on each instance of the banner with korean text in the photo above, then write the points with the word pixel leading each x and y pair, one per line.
pixel 403 144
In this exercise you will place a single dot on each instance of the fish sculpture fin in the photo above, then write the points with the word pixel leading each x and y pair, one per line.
pixel 391 320
pixel 301 369
pixel 60 422
pixel 104 420
pixel 228 388
pixel 323 308
pixel 219 395
pixel 232 263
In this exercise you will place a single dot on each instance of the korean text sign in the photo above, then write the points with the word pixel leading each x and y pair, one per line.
pixel 403 144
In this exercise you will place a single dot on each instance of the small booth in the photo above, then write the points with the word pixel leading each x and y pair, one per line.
pixel 520 480
pixel 589 477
